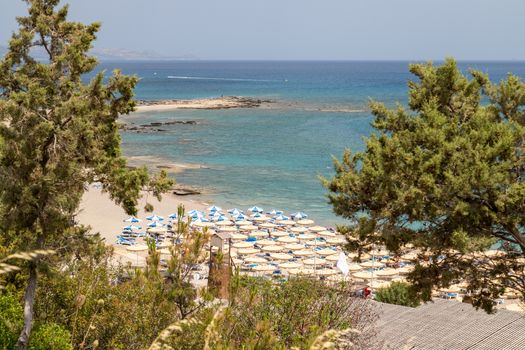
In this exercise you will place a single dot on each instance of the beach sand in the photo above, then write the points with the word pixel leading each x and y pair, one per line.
pixel 99 212
pixel 206 103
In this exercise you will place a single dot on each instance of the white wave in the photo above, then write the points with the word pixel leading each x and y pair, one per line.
pixel 222 79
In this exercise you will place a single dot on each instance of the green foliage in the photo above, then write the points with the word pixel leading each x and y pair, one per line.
pixel 446 177
pixel 50 337
pixel 398 293
pixel 11 320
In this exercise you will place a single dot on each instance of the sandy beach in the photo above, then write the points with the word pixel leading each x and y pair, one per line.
pixel 99 212
pixel 223 102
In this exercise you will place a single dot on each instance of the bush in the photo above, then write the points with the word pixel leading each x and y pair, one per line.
pixel 398 293
pixel 50 336
pixel 11 321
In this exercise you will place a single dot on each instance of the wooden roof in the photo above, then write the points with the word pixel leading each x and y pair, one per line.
pixel 450 325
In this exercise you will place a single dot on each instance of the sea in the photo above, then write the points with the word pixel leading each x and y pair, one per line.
pixel 273 156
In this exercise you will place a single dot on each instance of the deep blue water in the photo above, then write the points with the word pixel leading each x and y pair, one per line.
pixel 270 157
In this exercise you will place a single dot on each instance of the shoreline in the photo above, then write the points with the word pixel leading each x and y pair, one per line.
pixel 223 102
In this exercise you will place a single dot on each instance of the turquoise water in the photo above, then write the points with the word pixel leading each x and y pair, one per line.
pixel 270 157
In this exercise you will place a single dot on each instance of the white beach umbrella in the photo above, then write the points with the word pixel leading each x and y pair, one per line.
pixel 214 208
pixel 302 271
pixel 255 259
pixel 258 234
pixel 287 239
pixel 332 257
pixel 243 244
pixel 276 212
pixel 326 272
pixel 305 222
pixel 267 225
pixel 326 233
pixel 315 261
pixel 306 236
pixel 285 222
pixel 298 229
pixel 203 224
pixel 281 218
pixel 164 251
pixel 248 228
pixel 132 219
pixel 299 215
pixel 303 252
pixel 155 218
pixel 156 224
pixel 265 242
pixel 224 223
pixel 260 218
pixel 255 209
pixel 173 216
pixel 290 265
pixel 372 264
pixel 409 256
pixel 264 268
pixel 387 272
pixel 364 275
pixel 131 228
pixel 315 243
pixel 326 252
pixel 294 246
pixel 247 251
pixel 137 248
pixel 235 211
pixel 157 230
pixel 405 269
pixel 227 229
pixel 336 240
pixel 237 261
pixel 317 228
pixel 272 248
pixel 243 223
pixel 279 233
pixel 378 284
pixel 281 256
pixel 238 236
pixel 239 216
pixel 354 267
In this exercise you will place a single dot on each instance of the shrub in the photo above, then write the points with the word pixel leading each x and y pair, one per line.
pixel 11 320
pixel 398 293
pixel 50 336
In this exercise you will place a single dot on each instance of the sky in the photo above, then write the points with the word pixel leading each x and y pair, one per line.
pixel 302 29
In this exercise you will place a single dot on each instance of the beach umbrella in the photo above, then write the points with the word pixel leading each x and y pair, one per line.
pixel 157 230
pixel 264 268
pixel 354 267
pixel 287 239
pixel 227 229
pixel 317 228
pixel 305 222
pixel 281 256
pixel 336 240
pixel 213 208
pixel 261 218
pixel 276 212
pixel 195 212
pixel 372 264
pixel 279 233
pixel 315 242
pixel 333 258
pixel 224 223
pixel 243 244
pixel 237 261
pixel 164 244
pixel 303 252
pixel 299 215
pixel 267 225
pixel 364 275
pixel 290 265
pixel 281 217
pixel 298 229
pixel 301 271
pixel 306 236
pixel 131 228
pixel 199 223
pixel 272 248
pixel 238 236
pixel 315 261
pixel 285 222
pixel 255 259
pixel 387 272
pixel 132 219
pixel 265 242
pixel 326 252
pixel 405 269
pixel 326 272
pixel 326 233
pixel 246 251
pixel 235 211
pixel 137 248
pixel 154 218
pixel 239 216
pixel 155 224
pixel 255 209
pixel 164 251
pixel 294 246
pixel 243 223
pixel 248 228
pixel 173 216
pixel 258 234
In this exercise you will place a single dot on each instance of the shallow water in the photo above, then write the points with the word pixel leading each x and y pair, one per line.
pixel 270 157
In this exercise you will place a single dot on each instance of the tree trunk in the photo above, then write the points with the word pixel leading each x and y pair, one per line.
pixel 29 302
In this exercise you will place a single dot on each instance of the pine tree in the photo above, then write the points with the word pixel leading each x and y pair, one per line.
pixel 58 134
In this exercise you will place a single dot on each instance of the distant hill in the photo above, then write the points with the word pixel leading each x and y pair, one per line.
pixel 105 54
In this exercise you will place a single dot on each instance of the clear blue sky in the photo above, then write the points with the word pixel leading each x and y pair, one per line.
pixel 303 29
